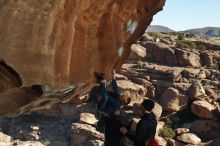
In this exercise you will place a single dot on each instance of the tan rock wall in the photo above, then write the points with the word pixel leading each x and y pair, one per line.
pixel 63 42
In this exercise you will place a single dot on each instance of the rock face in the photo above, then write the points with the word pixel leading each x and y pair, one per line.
pixel 63 42
pixel 58 43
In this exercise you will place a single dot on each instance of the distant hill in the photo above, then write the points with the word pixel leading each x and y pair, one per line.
pixel 158 28
pixel 207 31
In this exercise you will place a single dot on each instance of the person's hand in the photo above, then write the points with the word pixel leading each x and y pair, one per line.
pixel 124 130
pixel 113 73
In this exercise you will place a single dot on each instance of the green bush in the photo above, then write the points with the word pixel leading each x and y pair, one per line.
pixel 155 35
pixel 181 36
pixel 180 44
pixel 167 132
pixel 201 47
pixel 186 44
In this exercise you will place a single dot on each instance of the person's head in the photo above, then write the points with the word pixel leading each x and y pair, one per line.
pixel 125 99
pixel 147 105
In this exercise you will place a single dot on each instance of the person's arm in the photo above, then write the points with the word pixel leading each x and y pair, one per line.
pixel 115 88
pixel 131 137
pixel 105 97
pixel 139 137
pixel 114 84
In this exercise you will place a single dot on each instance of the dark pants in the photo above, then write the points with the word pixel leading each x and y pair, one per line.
pixel 112 131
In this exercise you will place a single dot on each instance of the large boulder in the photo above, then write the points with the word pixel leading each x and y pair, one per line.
pixel 203 109
pixel 206 129
pixel 157 110
pixel 57 43
pixel 5 138
pixel 160 53
pixel 137 52
pixel 135 91
pixel 196 91
pixel 187 58
pixel 172 101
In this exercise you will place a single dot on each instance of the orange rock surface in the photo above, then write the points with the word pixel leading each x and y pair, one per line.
pixel 63 42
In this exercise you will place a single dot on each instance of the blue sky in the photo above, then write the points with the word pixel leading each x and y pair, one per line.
pixel 187 14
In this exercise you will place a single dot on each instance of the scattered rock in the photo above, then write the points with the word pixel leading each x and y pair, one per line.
pixel 189 138
pixel 95 143
pixel 160 125
pixel 27 143
pixel 81 134
pixel 161 140
pixel 173 142
pixel 179 131
pixel 88 118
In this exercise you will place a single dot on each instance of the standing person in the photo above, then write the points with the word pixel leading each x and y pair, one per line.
pixel 146 127
pixel 112 129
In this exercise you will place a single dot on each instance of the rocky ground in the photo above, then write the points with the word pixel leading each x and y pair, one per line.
pixel 181 74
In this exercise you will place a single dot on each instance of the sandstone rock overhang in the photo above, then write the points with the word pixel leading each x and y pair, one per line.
pixel 63 42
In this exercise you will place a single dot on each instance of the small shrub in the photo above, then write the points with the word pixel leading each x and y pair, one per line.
pixel 155 35
pixel 180 44
pixel 140 64
pixel 186 44
pixel 167 132
pixel 201 47
pixel 190 44
pixel 181 36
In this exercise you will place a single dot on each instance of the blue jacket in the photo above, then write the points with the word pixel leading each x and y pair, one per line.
pixel 110 102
